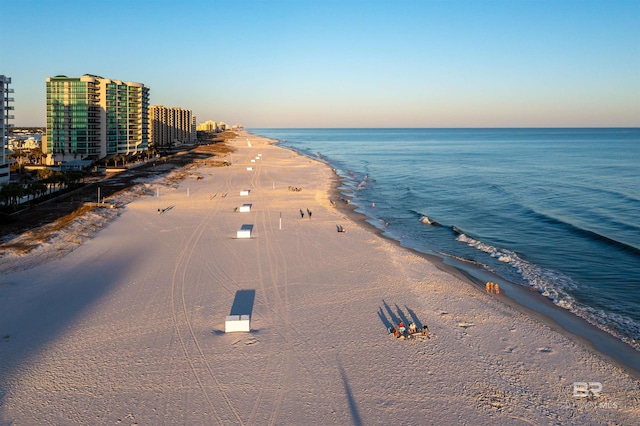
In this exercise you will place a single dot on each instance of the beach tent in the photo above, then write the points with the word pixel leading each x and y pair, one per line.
pixel 234 323
pixel 244 231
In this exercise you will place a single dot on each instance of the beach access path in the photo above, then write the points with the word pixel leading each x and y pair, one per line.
pixel 128 328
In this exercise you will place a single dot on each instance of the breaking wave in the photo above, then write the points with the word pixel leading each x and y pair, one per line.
pixel 554 286
pixel 428 221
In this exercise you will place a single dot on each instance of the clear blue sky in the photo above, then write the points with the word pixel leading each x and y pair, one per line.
pixel 341 63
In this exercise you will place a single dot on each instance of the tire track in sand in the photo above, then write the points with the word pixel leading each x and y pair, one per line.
pixel 273 256
pixel 275 365
pixel 179 306
pixel 292 333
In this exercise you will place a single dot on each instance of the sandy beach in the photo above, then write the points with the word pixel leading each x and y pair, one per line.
pixel 127 327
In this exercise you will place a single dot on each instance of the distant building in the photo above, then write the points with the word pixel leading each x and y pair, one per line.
pixel 92 117
pixel 22 143
pixel 171 126
pixel 212 126
pixel 5 107
pixel 208 126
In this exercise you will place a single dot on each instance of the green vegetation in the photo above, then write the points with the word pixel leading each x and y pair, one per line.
pixel 46 182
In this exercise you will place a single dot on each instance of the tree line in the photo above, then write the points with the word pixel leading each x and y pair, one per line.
pixel 47 181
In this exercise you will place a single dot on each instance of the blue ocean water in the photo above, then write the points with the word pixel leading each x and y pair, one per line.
pixel 554 209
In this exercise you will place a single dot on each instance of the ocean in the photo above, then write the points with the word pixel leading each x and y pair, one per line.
pixel 557 210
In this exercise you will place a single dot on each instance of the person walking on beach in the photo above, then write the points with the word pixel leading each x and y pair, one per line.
pixel 309 213
pixel 301 214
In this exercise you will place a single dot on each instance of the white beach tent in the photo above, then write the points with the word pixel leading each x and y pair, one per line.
pixel 245 231
pixel 234 323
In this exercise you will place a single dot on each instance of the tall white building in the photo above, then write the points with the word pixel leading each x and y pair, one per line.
pixel 5 116
pixel 171 126
pixel 92 117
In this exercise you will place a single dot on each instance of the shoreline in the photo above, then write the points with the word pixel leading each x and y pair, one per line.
pixel 525 300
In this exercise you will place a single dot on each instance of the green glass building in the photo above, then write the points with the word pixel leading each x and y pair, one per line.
pixel 92 117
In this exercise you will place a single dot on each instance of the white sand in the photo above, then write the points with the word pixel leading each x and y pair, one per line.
pixel 128 327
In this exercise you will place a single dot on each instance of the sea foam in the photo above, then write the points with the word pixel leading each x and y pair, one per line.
pixel 556 286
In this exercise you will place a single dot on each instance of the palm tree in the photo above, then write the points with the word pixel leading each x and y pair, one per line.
pixel 38 155
pixel 44 174
pixel 30 191
pixel 39 188
pixel 18 192
pixel 11 192
pixel 60 179
pixel 75 177
pixel 4 194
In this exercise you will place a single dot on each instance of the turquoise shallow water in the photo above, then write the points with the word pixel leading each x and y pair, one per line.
pixel 554 209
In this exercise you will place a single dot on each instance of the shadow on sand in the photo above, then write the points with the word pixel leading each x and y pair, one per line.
pixel 353 406
pixel 391 317
pixel 243 302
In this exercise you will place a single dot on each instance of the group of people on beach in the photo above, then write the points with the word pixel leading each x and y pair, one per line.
pixel 402 332
pixel 212 196
pixel 492 287
pixel 295 188
pixel 302 214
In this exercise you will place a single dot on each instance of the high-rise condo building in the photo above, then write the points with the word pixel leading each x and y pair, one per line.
pixel 92 117
pixel 5 107
pixel 171 126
